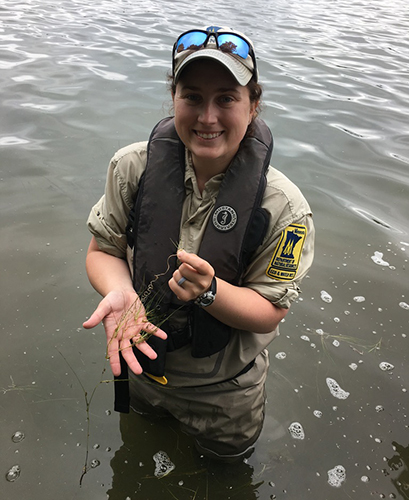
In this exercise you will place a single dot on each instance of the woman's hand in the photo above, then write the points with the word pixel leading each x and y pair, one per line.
pixel 236 306
pixel 124 318
pixel 198 274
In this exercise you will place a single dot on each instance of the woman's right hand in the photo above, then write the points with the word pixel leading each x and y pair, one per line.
pixel 124 318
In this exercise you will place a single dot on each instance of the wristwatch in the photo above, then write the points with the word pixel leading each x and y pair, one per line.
pixel 207 298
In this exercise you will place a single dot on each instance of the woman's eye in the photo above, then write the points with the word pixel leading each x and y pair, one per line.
pixel 192 97
pixel 226 99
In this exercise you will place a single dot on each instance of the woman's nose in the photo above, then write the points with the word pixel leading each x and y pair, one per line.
pixel 208 113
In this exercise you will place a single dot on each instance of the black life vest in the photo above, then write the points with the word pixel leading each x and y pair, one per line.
pixel 236 228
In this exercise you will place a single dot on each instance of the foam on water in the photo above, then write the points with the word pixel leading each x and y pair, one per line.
pixel 336 476
pixel 163 464
pixel 326 297
pixel 386 367
pixel 296 431
pixel 378 259
pixel 13 473
pixel 17 437
pixel 335 389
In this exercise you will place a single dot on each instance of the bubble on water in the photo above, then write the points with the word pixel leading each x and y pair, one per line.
pixel 379 408
pixel 163 464
pixel 353 366
pixel 317 413
pixel 359 298
pixel 281 355
pixel 18 436
pixel 365 479
pixel 326 297
pixel 305 337
pixel 335 389
pixel 95 463
pixel 378 259
pixel 336 343
pixel 296 430
pixel 13 473
pixel 386 367
pixel 96 446
pixel 336 476
pixel 337 320
pixel 108 412
pixel 404 305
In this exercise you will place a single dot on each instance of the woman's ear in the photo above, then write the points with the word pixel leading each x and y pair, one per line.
pixel 253 110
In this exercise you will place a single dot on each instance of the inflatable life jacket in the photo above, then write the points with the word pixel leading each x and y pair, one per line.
pixel 236 228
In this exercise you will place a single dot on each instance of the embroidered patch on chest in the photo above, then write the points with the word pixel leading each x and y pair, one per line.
pixel 224 218
pixel 283 265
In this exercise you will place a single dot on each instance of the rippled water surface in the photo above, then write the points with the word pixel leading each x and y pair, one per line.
pixel 81 79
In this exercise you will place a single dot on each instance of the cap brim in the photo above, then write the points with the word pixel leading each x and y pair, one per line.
pixel 237 68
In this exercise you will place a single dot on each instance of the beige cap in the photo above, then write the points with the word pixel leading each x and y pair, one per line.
pixel 242 69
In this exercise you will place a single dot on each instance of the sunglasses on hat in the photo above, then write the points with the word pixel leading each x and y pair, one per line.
pixel 226 41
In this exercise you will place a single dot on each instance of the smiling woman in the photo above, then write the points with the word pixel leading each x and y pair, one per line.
pixel 204 181
pixel 212 114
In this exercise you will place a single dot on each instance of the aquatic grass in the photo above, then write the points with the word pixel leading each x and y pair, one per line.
pixel 354 342
pixel 88 400
pixel 14 387
pixel 145 304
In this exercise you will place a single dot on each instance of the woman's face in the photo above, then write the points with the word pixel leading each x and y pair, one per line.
pixel 212 113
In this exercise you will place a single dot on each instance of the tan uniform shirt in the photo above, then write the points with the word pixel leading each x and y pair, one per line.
pixel 286 205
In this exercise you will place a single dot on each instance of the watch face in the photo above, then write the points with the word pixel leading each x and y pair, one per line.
pixel 206 299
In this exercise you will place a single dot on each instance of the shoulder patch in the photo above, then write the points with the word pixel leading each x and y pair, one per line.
pixel 283 265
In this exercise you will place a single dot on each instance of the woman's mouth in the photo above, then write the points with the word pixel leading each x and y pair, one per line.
pixel 208 136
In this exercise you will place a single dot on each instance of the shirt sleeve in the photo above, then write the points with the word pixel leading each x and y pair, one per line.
pixel 108 218
pixel 287 252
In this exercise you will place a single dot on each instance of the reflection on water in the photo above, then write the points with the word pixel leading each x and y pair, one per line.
pixel 81 80
pixel 400 462
pixel 137 464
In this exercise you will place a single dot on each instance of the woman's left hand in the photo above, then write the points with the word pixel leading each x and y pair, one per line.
pixel 198 274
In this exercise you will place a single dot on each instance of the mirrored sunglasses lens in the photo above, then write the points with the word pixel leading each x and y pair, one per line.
pixel 233 44
pixel 191 41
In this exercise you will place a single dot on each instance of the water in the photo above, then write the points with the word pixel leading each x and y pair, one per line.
pixel 79 80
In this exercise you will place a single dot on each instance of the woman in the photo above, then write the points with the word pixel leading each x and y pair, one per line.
pixel 245 234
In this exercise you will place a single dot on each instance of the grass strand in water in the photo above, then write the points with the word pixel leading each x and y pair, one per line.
pixel 144 305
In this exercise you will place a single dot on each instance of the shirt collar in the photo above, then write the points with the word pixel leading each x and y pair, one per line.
pixel 212 184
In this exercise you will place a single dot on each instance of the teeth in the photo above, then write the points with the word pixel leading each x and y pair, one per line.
pixel 209 136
